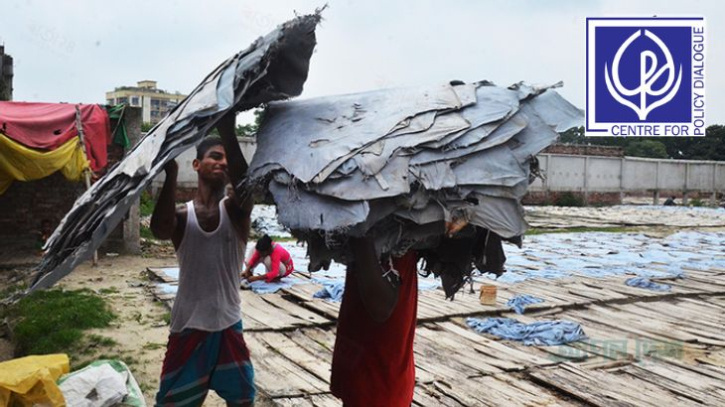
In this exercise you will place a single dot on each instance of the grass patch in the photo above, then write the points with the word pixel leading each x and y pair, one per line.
pixel 130 360
pixel 154 346
pixel 697 202
pixel 98 340
pixel 111 290
pixel 284 239
pixel 80 364
pixel 138 317
pixel 610 229
pixel 145 387
pixel 8 291
pixel 145 275
pixel 147 204
pixel 146 232
pixel 53 321
pixel 166 317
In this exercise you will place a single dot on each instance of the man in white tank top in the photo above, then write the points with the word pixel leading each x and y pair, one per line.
pixel 206 348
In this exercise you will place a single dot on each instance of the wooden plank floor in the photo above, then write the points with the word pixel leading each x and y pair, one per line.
pixel 644 348
pixel 579 291
pixel 259 312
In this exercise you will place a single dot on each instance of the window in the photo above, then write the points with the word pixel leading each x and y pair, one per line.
pixel 134 101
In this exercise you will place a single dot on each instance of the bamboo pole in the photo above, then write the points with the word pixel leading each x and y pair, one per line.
pixel 87 172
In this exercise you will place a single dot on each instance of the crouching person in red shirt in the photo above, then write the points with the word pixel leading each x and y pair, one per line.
pixel 372 364
pixel 276 260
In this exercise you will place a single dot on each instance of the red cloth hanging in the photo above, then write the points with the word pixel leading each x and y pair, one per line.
pixel 46 126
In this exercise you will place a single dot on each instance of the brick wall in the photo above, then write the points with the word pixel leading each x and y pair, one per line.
pixel 25 204
pixel 577 149
pixel 593 199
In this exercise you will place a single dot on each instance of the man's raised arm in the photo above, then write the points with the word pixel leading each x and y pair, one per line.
pixel 241 206
pixel 236 164
pixel 163 220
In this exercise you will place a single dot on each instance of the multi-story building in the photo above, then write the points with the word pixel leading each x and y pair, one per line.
pixel 155 103
pixel 6 75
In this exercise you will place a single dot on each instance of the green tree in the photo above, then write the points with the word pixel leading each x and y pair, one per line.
pixel 575 135
pixel 242 130
pixel 710 147
pixel 646 148
pixel 249 129
pixel 245 130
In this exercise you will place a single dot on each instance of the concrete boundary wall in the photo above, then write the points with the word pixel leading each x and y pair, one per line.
pixel 629 175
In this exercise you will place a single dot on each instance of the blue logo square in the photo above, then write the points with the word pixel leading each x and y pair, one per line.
pixel 643 74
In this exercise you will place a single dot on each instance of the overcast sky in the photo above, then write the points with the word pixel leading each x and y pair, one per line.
pixel 76 50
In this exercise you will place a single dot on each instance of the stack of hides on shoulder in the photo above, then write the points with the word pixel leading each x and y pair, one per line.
pixel 404 166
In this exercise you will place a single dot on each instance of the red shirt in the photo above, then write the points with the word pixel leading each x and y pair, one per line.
pixel 279 256
pixel 372 364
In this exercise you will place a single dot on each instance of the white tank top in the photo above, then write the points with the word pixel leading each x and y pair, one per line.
pixel 209 267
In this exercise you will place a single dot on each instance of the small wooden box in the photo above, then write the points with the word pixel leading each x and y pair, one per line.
pixel 488 295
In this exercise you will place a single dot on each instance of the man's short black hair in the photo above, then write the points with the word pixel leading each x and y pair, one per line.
pixel 206 144
pixel 264 244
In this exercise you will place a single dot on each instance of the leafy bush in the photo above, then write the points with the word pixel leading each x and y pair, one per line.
pixel 697 202
pixel 147 204
pixel 646 148
pixel 569 199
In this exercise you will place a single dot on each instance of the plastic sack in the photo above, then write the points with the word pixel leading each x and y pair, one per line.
pixel 100 384
pixel 31 380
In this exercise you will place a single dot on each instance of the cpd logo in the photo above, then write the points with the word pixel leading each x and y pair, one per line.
pixel 645 77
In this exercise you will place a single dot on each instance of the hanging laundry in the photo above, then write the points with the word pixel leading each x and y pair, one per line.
pixel 48 126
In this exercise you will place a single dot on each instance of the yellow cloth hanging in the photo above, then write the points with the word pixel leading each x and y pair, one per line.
pixel 21 163
pixel 30 381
